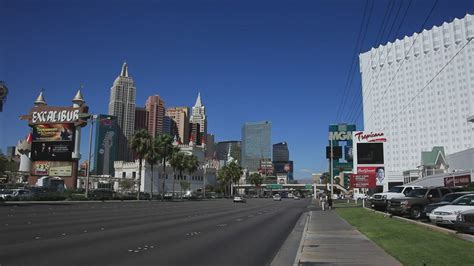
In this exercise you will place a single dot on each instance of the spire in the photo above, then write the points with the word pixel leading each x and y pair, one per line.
pixel 78 99
pixel 124 72
pixel 40 100
pixel 198 100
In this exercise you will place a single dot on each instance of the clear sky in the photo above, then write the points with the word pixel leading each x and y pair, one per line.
pixel 283 61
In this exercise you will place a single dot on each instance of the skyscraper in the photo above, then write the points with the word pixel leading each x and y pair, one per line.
pixel 122 105
pixel 256 144
pixel 198 116
pixel 232 148
pixel 180 122
pixel 155 107
pixel 280 152
pixel 418 92
pixel 141 118
pixel 195 133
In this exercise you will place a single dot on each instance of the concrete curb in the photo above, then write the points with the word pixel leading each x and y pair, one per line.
pixel 303 237
pixel 429 226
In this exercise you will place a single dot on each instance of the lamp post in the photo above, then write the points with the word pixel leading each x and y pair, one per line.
pixel 92 118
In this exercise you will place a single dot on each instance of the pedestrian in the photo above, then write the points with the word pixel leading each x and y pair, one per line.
pixel 323 202
pixel 330 203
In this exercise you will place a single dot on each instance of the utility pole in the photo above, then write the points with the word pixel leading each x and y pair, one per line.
pixel 331 171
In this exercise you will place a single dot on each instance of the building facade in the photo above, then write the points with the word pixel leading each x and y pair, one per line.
pixel 195 134
pixel 179 123
pixel 227 149
pixel 155 107
pixel 417 111
pixel 210 146
pixel 198 116
pixel 106 145
pixel 281 152
pixel 122 106
pixel 141 118
pixel 256 144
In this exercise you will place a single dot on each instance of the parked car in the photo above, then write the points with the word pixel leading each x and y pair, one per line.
pixel 414 203
pixel 447 214
pixel 465 222
pixel 6 194
pixel 277 197
pixel 22 194
pixel 445 200
pixel 379 201
pixel 240 199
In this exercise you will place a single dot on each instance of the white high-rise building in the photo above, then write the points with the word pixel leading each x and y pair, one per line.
pixel 122 105
pixel 414 123
pixel 198 116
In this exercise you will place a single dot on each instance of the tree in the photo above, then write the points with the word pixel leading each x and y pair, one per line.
pixel 126 184
pixel 140 144
pixel 177 162
pixel 224 178
pixel 191 163
pixel 152 157
pixel 235 172
pixel 256 179
pixel 165 151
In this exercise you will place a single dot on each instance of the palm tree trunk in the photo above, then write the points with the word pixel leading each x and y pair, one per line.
pixel 139 177
pixel 174 181
pixel 163 183
pixel 151 188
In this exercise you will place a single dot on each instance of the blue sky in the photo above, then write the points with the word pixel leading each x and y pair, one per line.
pixel 283 61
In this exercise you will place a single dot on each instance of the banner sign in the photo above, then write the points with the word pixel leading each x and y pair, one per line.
pixel 377 171
pixel 56 115
pixel 362 181
pixel 45 168
pixel 52 151
pixel 462 180
pixel 364 136
pixel 53 132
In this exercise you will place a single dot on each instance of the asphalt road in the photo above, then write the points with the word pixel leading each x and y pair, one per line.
pixel 216 232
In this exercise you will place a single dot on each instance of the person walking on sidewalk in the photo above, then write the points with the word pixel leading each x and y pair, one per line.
pixel 323 201
pixel 330 203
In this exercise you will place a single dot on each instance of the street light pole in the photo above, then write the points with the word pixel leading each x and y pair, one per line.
pixel 331 171
pixel 93 117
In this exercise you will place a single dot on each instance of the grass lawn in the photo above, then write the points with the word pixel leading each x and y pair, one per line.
pixel 410 244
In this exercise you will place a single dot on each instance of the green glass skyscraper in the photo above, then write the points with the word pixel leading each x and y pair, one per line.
pixel 256 144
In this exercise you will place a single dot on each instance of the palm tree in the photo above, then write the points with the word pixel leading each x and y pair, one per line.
pixel 152 158
pixel 224 177
pixel 177 162
pixel 140 144
pixel 256 179
pixel 191 163
pixel 235 172
pixel 165 151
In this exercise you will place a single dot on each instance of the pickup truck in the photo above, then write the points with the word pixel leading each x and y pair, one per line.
pixel 379 201
pixel 414 203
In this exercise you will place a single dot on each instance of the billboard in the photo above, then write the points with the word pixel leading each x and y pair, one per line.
pixel 106 147
pixel 46 168
pixel 453 181
pixel 369 153
pixel 362 181
pixel 52 151
pixel 53 132
pixel 378 173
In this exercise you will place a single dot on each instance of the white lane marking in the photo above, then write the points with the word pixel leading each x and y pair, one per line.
pixel 37 237
pixel 239 220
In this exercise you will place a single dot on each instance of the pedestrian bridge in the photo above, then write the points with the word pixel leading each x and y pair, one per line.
pixel 293 186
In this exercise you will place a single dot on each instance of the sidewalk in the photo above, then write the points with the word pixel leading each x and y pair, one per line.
pixel 328 239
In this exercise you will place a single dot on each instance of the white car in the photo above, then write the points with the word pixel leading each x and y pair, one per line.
pixel 447 214
pixel 239 199
pixel 277 197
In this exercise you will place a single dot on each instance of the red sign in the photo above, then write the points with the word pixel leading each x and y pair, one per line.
pixel 461 180
pixel 364 136
pixel 362 180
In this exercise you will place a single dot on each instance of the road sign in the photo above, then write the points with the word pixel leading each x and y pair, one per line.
pixel 274 186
